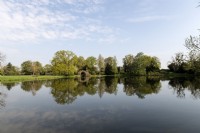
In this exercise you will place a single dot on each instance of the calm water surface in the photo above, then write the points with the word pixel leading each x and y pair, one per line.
pixel 101 106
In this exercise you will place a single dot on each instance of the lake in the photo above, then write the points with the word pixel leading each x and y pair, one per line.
pixel 101 105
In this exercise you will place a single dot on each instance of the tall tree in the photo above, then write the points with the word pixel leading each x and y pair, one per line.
pixel 9 69
pixel 128 63
pixel 80 63
pixel 153 65
pixel 101 64
pixel 177 62
pixel 48 69
pixel 26 68
pixel 37 68
pixel 141 64
pixel 63 63
pixel 193 45
pixel 31 68
pixel 91 63
pixel 110 66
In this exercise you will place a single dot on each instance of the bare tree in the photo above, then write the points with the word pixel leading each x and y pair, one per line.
pixel 193 44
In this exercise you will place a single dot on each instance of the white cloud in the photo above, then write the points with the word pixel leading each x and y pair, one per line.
pixel 108 39
pixel 32 20
pixel 148 18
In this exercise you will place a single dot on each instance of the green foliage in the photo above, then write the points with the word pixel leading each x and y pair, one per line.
pixel 193 45
pixel 26 68
pixel 66 63
pixel 187 63
pixel 101 64
pixel 91 63
pixel 37 68
pixel 80 64
pixel 128 63
pixel 63 63
pixel 111 66
pixel 9 69
pixel 1 71
pixel 154 65
pixel 178 63
pixel 140 64
pixel 47 69
pixel 31 68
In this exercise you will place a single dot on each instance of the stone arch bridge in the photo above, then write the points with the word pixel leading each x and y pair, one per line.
pixel 84 73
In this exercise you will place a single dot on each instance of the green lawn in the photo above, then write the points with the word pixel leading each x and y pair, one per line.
pixel 28 78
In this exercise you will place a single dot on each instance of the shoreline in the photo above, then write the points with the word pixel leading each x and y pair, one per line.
pixel 21 78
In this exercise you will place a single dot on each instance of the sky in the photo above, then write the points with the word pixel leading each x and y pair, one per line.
pixel 36 29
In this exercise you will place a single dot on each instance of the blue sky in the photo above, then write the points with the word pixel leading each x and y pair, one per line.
pixel 36 29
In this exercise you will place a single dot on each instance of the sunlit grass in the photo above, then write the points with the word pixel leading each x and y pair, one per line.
pixel 28 78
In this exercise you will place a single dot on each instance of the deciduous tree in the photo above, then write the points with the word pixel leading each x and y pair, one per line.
pixel 110 66
pixel 9 69
pixel 63 63
pixel 91 63
pixel 101 64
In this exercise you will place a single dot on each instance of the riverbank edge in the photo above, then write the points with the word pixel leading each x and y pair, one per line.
pixel 21 78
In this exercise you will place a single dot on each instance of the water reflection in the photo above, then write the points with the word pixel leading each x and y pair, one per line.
pixel 66 91
pixel 100 105
pixel 107 85
pixel 9 86
pixel 181 85
pixel 141 86
pixel 3 96
pixel 32 86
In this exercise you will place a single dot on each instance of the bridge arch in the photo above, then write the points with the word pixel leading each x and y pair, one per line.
pixel 84 73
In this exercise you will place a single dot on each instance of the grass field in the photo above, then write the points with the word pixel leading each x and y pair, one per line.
pixel 20 78
pixel 28 78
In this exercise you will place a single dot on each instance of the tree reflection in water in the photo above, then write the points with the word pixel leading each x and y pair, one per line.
pixel 32 86
pixel 9 86
pixel 66 91
pixel 141 86
pixel 180 85
pixel 3 96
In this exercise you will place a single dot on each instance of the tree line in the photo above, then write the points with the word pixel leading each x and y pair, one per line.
pixel 190 62
pixel 67 63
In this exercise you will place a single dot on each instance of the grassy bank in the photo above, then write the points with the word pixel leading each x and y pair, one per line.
pixel 20 78
pixel 28 78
